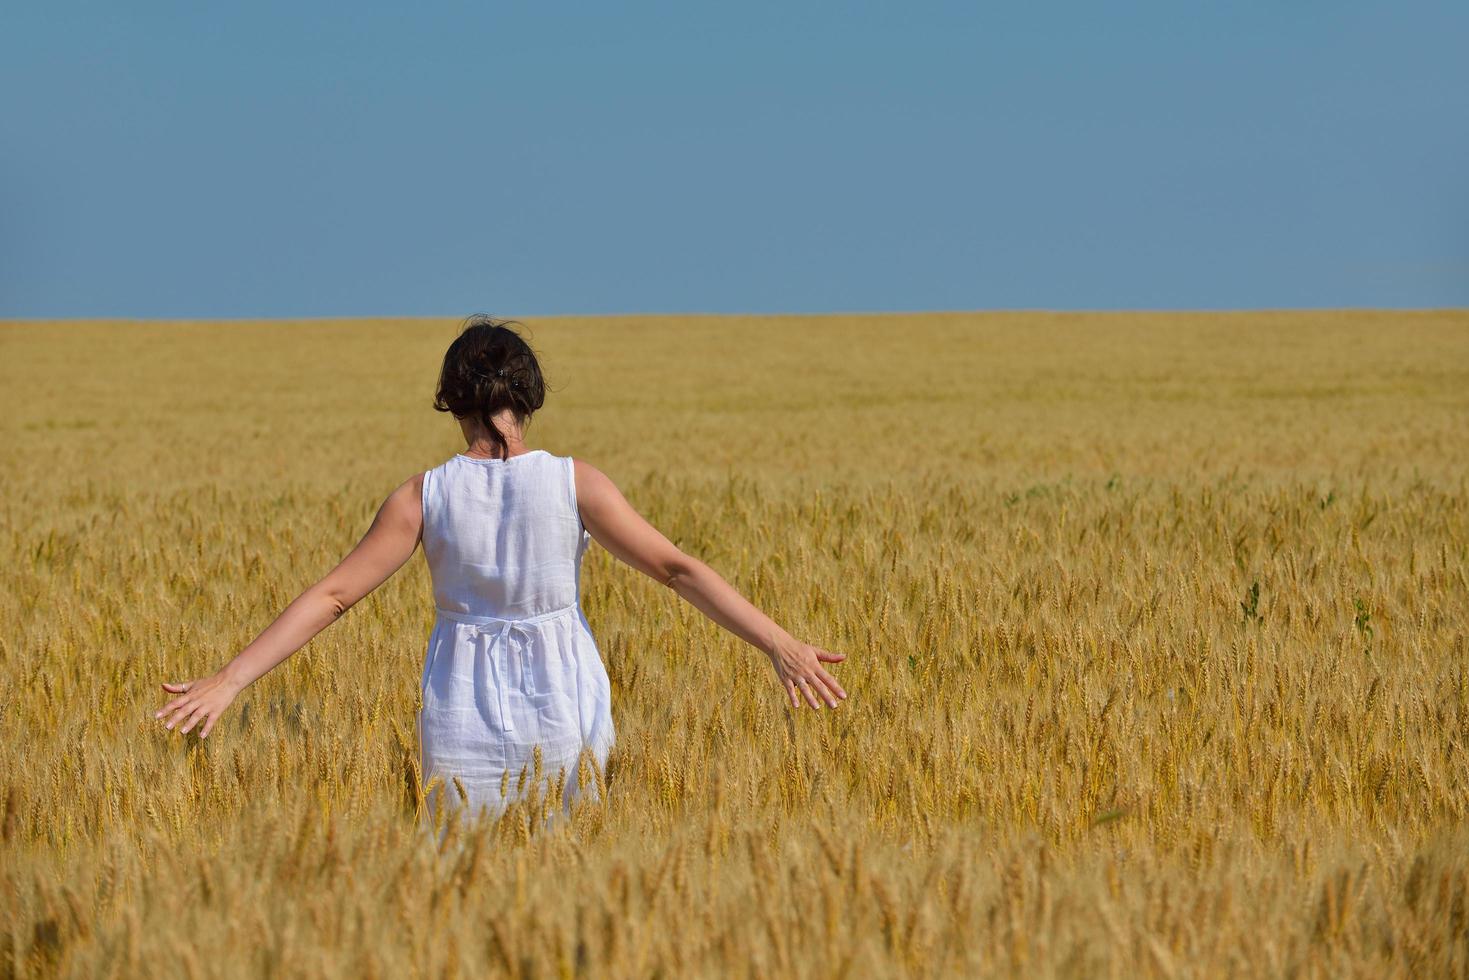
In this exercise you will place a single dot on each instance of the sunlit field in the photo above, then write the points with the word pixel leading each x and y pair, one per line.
pixel 1156 633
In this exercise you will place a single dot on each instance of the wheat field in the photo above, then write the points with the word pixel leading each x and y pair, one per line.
pixel 1155 623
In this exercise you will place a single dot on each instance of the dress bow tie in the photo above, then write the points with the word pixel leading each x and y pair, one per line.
pixel 500 635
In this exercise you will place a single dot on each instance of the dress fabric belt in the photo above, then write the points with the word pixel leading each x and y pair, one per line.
pixel 497 629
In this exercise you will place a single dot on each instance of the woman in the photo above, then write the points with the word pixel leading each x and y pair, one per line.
pixel 511 662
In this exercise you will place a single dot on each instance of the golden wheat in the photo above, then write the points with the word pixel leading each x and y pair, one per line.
pixel 1156 629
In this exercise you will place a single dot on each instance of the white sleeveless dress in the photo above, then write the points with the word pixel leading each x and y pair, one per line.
pixel 511 662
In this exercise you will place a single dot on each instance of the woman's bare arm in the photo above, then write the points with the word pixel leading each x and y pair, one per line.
pixel 388 544
pixel 616 526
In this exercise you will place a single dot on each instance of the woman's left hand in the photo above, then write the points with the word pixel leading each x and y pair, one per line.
pixel 798 667
pixel 199 700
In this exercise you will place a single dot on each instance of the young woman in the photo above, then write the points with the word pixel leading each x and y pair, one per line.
pixel 511 662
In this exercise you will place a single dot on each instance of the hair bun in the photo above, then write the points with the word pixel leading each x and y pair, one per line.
pixel 488 351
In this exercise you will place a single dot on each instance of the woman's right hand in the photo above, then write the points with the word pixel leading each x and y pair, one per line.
pixel 798 666
pixel 198 700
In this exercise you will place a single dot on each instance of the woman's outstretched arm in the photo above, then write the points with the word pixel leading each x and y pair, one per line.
pixel 388 544
pixel 624 532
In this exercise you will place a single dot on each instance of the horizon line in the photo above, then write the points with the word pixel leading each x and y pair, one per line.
pixel 1096 311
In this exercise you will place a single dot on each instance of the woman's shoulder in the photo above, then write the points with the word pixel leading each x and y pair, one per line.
pixel 578 465
pixel 591 483
pixel 405 503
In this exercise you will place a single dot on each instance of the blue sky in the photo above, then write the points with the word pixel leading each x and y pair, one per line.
pixel 297 159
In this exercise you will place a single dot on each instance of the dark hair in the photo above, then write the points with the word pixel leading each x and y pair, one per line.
pixel 488 368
